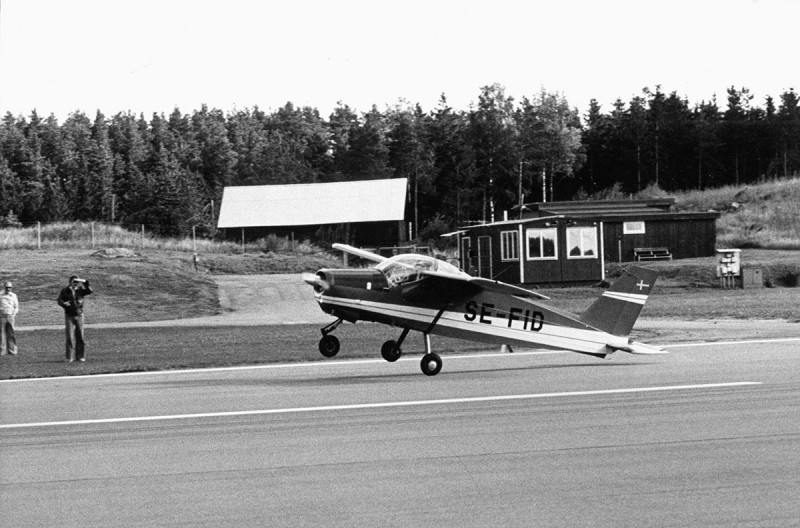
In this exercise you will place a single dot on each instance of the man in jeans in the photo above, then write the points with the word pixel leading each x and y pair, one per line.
pixel 9 306
pixel 71 300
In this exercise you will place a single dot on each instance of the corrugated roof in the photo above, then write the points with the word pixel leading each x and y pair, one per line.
pixel 313 203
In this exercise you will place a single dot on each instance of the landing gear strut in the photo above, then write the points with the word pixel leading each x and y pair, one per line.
pixel 329 345
pixel 391 351
pixel 431 363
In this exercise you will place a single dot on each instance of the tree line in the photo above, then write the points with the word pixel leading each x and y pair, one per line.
pixel 168 172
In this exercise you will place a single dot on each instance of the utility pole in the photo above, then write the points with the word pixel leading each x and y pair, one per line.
pixel 519 190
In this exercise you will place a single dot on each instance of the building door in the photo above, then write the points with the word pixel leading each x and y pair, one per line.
pixel 485 257
pixel 466 255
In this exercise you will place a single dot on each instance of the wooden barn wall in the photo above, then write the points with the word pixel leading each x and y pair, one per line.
pixel 536 271
pixel 683 238
pixel 485 258
pixel 361 234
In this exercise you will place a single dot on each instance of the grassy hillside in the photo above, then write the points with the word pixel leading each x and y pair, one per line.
pixel 765 215
pixel 131 287
pixel 148 285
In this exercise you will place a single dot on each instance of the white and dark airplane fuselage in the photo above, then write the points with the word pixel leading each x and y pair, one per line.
pixel 436 299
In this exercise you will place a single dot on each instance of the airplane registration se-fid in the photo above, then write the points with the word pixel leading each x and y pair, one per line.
pixel 427 295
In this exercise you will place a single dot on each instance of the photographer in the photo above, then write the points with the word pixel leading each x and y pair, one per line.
pixel 71 300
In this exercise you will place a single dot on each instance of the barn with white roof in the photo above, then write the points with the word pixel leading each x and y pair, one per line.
pixel 367 212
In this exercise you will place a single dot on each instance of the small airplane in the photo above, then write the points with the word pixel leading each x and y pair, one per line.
pixel 427 295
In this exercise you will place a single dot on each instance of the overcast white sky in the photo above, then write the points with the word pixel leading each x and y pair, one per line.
pixel 59 56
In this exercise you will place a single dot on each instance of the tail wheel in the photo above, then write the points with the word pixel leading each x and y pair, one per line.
pixel 431 364
pixel 329 346
pixel 390 351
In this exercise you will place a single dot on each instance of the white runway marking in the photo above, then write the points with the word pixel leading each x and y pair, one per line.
pixel 729 343
pixel 331 408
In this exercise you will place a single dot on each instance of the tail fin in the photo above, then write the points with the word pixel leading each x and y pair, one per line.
pixel 618 308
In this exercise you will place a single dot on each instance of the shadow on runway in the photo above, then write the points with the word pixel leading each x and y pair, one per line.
pixel 364 379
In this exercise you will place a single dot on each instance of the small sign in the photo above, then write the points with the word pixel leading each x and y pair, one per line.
pixel 633 228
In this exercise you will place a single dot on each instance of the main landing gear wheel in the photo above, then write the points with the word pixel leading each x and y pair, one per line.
pixel 431 364
pixel 390 351
pixel 329 346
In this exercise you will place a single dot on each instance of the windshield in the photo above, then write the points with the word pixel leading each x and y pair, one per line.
pixel 407 267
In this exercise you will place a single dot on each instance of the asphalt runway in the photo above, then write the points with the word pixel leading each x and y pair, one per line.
pixel 708 435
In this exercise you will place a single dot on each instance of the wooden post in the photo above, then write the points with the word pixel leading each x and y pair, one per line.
pixel 243 250
pixel 194 239
pixel 142 236
pixel 213 222
pixel 38 235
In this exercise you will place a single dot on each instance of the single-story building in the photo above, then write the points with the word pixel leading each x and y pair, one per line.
pixel 563 242
pixel 368 212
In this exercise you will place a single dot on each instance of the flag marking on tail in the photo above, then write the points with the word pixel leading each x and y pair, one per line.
pixel 627 297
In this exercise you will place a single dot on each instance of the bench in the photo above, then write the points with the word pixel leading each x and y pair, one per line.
pixel 652 253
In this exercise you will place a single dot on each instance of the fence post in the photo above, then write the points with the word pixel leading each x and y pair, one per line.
pixel 142 237
pixel 92 235
pixel 38 235
pixel 194 239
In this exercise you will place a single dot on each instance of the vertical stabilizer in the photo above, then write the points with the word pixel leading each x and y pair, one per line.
pixel 618 308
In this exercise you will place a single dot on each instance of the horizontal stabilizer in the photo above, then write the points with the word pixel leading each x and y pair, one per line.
pixel 635 347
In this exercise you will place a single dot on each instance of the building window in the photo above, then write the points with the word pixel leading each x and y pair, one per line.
pixel 542 244
pixel 632 228
pixel 581 242
pixel 509 249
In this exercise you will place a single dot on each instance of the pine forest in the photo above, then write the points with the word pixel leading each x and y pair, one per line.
pixel 168 172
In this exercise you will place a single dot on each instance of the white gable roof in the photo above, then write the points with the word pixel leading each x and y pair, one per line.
pixel 313 203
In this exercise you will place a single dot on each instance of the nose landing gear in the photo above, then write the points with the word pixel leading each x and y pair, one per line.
pixel 329 345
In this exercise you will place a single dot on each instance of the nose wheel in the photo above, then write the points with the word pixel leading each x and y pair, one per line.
pixel 329 345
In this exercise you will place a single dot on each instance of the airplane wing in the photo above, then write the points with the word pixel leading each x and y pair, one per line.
pixel 454 286
pixel 502 287
pixel 369 255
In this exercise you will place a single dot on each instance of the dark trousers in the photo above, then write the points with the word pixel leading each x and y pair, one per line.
pixel 75 344
pixel 8 341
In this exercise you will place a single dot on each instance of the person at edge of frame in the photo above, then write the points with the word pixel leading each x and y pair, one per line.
pixel 9 308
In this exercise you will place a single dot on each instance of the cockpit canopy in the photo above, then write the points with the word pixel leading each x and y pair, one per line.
pixel 408 267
